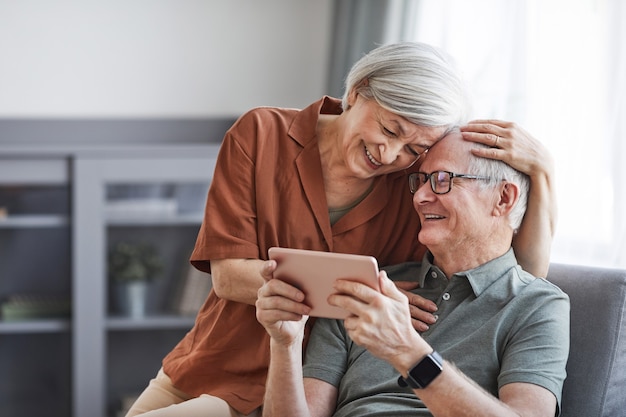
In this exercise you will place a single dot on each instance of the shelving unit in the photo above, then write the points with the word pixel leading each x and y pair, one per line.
pixel 35 355
pixel 54 239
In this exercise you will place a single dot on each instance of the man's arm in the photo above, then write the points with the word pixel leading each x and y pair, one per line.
pixel 281 311
pixel 321 397
pixel 288 394
pixel 284 391
pixel 382 324
pixel 452 394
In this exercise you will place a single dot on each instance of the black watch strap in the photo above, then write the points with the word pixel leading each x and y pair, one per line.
pixel 423 373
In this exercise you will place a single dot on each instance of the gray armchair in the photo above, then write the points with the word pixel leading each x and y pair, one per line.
pixel 596 369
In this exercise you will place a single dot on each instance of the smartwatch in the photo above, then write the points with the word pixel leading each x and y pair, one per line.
pixel 423 373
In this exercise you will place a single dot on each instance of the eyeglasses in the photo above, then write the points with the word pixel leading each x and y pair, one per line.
pixel 440 181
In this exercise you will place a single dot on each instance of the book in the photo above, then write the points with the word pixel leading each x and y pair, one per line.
pixel 193 289
pixel 140 207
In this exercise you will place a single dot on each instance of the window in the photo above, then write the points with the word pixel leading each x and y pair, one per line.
pixel 558 69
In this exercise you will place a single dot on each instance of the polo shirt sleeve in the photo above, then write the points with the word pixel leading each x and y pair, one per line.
pixel 538 345
pixel 326 354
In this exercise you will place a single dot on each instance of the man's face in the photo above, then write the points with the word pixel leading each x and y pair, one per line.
pixel 461 220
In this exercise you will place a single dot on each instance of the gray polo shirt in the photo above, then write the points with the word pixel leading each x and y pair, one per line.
pixel 496 323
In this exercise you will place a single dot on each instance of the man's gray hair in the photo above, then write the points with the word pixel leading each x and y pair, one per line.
pixel 414 80
pixel 497 171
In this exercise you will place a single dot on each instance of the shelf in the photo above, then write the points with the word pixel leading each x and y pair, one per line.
pixel 35 326
pixel 156 220
pixel 160 322
pixel 61 209
pixel 33 221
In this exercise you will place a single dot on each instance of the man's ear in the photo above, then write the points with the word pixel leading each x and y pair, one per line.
pixel 509 194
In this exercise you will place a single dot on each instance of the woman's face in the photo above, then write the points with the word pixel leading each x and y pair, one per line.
pixel 377 141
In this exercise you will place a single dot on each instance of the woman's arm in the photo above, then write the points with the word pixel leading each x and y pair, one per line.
pixel 237 279
pixel 513 145
pixel 533 241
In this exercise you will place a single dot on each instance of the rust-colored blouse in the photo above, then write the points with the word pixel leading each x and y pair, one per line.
pixel 267 191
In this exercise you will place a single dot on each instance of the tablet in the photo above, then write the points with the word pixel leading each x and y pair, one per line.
pixel 314 272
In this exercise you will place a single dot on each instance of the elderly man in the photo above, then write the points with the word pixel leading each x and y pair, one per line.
pixel 501 340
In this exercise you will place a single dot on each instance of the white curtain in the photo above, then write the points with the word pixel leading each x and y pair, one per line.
pixel 558 68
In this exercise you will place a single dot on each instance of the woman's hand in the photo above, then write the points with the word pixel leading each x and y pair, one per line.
pixel 280 308
pixel 421 308
pixel 511 144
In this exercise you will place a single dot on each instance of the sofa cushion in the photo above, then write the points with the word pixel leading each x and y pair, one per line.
pixel 596 369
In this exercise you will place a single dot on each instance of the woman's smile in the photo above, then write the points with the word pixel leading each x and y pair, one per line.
pixel 371 158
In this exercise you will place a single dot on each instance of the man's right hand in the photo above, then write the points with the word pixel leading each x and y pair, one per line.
pixel 280 308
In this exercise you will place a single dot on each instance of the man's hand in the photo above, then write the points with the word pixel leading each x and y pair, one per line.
pixel 380 321
pixel 279 308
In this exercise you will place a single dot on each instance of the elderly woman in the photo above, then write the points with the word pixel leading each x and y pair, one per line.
pixel 328 177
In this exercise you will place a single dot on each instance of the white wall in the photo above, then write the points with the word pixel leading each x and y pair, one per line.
pixel 160 58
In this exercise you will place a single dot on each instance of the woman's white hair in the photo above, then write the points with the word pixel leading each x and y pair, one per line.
pixel 414 80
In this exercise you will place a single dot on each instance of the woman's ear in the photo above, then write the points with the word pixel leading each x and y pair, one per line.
pixel 352 96
pixel 509 194
pixel 354 92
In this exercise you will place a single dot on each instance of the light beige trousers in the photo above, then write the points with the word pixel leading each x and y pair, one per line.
pixel 162 399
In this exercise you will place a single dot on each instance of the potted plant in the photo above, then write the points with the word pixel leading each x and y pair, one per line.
pixel 132 266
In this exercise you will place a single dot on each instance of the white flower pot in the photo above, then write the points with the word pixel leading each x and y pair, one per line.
pixel 131 298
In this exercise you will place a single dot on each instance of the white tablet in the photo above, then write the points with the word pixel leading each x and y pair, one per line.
pixel 314 272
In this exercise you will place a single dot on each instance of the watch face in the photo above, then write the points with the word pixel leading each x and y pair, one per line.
pixel 426 370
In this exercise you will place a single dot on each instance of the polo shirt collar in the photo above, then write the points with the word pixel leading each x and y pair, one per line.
pixel 479 278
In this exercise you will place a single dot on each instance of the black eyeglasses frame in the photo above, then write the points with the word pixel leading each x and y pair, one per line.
pixel 413 180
